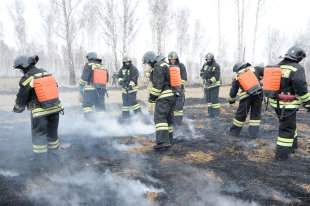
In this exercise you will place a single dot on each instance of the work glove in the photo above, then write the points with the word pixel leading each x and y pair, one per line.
pixel 81 88
pixel 152 98
pixel 120 83
pixel 18 109
pixel 129 87
pixel 231 103
pixel 307 105
pixel 209 81
pixel 183 87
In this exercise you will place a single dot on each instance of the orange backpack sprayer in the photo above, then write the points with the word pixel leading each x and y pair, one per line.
pixel 271 87
pixel 249 82
pixel 175 76
pixel 272 81
pixel 46 90
pixel 100 77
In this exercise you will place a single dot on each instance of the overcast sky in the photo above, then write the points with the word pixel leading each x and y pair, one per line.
pixel 289 16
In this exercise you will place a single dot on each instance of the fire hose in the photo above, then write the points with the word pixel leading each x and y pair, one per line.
pixel 6 115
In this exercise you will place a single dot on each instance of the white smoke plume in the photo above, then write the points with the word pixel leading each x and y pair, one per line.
pixel 88 187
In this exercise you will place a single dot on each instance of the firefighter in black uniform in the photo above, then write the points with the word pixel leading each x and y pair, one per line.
pixel 93 86
pixel 210 73
pixel 43 101
pixel 178 112
pixel 128 79
pixel 293 82
pixel 248 100
pixel 165 97
pixel 114 79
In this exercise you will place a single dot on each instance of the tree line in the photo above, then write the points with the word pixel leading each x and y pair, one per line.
pixel 71 28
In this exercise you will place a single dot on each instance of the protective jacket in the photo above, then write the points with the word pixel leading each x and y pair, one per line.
pixel 128 75
pixel 293 81
pixel 160 78
pixel 211 73
pixel 259 73
pixel 27 96
pixel 87 78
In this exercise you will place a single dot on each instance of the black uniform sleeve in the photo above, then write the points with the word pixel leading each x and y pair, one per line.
pixel 158 79
pixel 24 94
pixel 260 71
pixel 234 89
pixel 108 76
pixel 183 73
pixel 87 71
pixel 135 74
pixel 120 75
pixel 202 71
pixel 217 73
pixel 300 84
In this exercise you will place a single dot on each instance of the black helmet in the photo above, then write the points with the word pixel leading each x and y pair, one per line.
pixel 209 56
pixel 33 59
pixel 173 55
pixel 295 53
pixel 127 59
pixel 92 56
pixel 239 65
pixel 149 57
pixel 21 62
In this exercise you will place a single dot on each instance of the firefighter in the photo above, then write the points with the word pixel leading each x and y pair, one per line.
pixel 293 82
pixel 210 73
pixel 147 74
pixel 114 79
pixel 39 93
pixel 250 98
pixel 178 112
pixel 93 86
pixel 164 95
pixel 128 79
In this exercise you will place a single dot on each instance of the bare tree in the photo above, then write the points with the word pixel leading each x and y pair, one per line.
pixel 240 18
pixel 198 48
pixel 219 30
pixel 68 30
pixel 129 23
pixel 16 11
pixel 275 46
pixel 182 25
pixel 159 20
pixel 90 18
pixel 109 25
pixel 259 7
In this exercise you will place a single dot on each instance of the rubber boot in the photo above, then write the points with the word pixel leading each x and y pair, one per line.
pixel 53 159
pixel 282 153
pixel 38 163
pixel 295 145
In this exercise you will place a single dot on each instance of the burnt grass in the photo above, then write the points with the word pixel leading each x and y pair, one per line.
pixel 205 166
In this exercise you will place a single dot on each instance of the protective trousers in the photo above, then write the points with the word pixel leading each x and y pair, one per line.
pixel 212 101
pixel 130 100
pixel 287 137
pixel 92 98
pixel 178 113
pixel 255 104
pixel 45 133
pixel 163 119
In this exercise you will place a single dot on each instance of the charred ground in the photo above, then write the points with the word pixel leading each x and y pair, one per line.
pixel 205 166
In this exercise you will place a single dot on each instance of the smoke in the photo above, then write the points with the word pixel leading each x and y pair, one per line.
pixel 108 126
pixel 8 173
pixel 88 187
pixel 207 190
